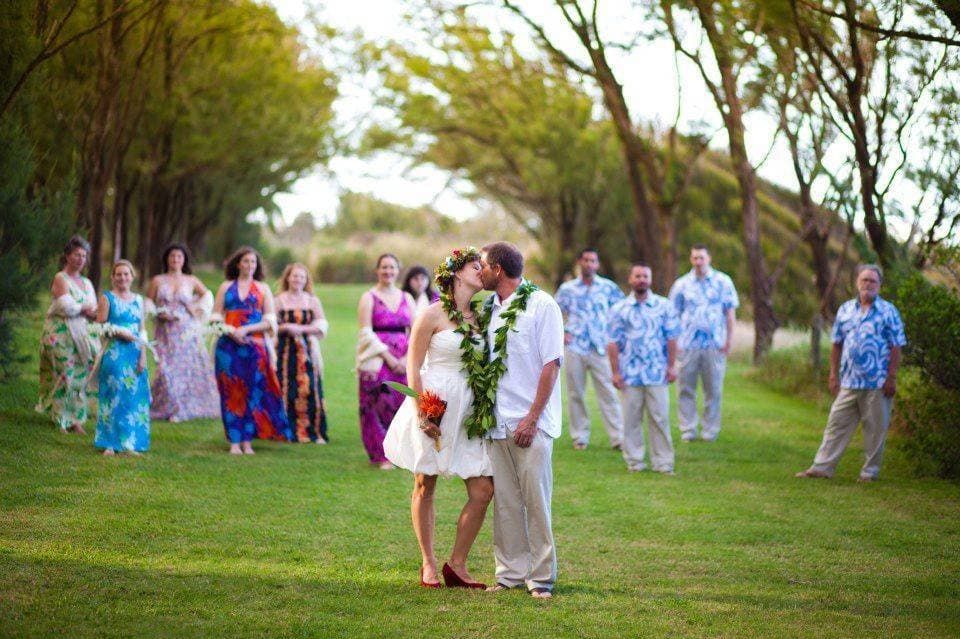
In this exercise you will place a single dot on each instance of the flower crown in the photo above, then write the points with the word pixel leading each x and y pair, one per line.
pixel 453 263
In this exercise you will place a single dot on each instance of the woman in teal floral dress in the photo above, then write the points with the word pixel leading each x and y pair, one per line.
pixel 67 349
pixel 123 422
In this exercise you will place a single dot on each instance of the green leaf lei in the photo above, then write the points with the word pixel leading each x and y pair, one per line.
pixel 483 376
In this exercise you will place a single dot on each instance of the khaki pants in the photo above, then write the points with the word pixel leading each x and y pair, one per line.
pixel 522 532
pixel 708 364
pixel 577 366
pixel 850 407
pixel 655 401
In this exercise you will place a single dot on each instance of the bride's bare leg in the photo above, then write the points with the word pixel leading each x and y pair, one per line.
pixel 423 515
pixel 479 494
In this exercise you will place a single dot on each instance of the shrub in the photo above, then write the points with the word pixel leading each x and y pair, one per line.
pixel 931 318
pixel 277 259
pixel 32 233
pixel 788 371
pixel 928 416
pixel 344 266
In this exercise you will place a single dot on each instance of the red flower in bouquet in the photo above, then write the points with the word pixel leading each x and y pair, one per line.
pixel 432 406
pixel 429 404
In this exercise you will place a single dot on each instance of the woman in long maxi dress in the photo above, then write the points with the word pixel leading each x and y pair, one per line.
pixel 250 401
pixel 123 416
pixel 67 349
pixel 299 364
pixel 184 386
pixel 385 314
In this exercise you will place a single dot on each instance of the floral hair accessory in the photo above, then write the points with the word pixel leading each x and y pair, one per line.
pixel 453 263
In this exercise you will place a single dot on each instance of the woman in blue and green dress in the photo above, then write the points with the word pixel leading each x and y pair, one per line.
pixel 67 348
pixel 123 417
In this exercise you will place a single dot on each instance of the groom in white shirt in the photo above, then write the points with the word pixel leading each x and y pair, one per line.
pixel 527 418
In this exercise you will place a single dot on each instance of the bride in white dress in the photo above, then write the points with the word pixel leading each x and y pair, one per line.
pixel 433 363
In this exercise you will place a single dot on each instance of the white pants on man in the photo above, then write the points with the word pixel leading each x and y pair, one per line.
pixel 850 407
pixel 655 402
pixel 522 531
pixel 577 366
pixel 708 364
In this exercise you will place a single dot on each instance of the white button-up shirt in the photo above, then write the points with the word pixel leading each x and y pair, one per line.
pixel 537 339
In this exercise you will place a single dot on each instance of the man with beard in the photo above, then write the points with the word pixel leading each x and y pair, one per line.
pixel 642 349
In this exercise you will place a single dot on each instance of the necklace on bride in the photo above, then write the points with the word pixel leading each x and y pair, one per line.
pixel 482 376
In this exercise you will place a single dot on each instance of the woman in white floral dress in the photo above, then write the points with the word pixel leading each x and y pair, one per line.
pixel 67 349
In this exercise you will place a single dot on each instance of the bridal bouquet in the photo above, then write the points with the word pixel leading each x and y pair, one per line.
pixel 429 404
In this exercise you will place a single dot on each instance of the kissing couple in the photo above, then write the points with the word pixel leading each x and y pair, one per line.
pixel 495 364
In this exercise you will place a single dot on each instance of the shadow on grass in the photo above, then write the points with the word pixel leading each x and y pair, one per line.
pixel 79 599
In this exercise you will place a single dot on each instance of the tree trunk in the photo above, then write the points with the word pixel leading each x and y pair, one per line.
pixel 646 213
pixel 669 232
pixel 731 109
pixel 99 159
pixel 816 332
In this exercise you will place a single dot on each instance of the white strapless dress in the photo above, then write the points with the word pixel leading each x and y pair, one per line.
pixel 405 444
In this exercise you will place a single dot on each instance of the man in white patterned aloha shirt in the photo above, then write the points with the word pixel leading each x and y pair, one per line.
pixel 586 303
pixel 706 301
pixel 867 338
pixel 643 351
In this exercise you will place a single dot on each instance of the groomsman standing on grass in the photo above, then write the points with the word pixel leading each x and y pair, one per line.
pixel 867 338
pixel 706 301
pixel 643 355
pixel 585 303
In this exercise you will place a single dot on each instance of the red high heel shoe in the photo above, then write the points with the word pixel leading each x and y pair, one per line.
pixel 452 580
pixel 426 584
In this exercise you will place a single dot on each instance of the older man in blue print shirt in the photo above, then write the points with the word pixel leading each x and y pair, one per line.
pixel 867 338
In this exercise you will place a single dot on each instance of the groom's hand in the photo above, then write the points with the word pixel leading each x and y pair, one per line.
pixel 525 432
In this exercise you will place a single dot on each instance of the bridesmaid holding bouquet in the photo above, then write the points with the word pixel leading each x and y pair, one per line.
pixel 123 420
pixel 184 387
pixel 250 400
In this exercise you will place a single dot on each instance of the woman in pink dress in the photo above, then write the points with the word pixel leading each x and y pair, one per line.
pixel 184 387
pixel 385 315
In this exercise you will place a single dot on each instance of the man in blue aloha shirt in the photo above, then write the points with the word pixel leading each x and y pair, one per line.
pixel 586 303
pixel 867 338
pixel 706 300
pixel 643 353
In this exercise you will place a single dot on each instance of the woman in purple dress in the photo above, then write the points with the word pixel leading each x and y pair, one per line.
pixel 385 314
pixel 184 387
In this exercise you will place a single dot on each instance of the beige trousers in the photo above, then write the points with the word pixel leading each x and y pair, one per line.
pixel 708 364
pixel 522 531
pixel 577 366
pixel 655 401
pixel 849 408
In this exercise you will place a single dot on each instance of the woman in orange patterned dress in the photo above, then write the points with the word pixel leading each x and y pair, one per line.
pixel 299 364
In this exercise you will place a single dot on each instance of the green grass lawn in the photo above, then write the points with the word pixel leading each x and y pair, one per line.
pixel 304 540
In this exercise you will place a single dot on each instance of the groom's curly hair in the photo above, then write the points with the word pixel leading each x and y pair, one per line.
pixel 507 255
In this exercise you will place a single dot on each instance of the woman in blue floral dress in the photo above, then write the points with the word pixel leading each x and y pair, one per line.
pixel 123 417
